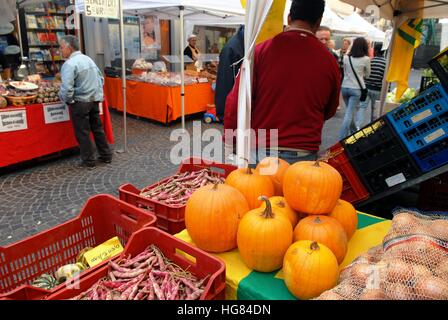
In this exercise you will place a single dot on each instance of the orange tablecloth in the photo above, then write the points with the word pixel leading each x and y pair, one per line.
pixel 41 139
pixel 155 102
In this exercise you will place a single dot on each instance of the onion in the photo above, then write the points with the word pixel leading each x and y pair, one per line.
pixel 399 271
pixel 373 294
pixel 348 291
pixel 329 295
pixel 432 288
pixel 421 271
pixel 397 291
pixel 402 223
pixel 442 269
pixel 439 228
pixel 360 273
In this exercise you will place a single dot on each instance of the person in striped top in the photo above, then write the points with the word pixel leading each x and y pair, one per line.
pixel 374 83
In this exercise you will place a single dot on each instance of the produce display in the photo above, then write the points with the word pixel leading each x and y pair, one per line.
pixel 66 272
pixel 280 206
pixel 275 168
pixel 142 64
pixel 48 92
pixel 166 79
pixel 147 276
pixel 411 263
pixel 347 216
pixel 40 91
pixel 263 237
pixel 407 96
pixel 212 216
pixel 177 189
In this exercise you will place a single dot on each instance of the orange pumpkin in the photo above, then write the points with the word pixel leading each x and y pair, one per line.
pixel 263 238
pixel 312 187
pixel 280 206
pixel 212 215
pixel 325 230
pixel 309 268
pixel 347 216
pixel 275 169
pixel 251 185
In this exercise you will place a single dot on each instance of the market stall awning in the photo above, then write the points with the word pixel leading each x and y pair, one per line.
pixel 361 24
pixel 410 8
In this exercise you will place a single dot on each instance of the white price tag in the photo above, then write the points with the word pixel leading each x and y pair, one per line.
pixel 202 80
pixel 396 179
pixel 13 120
pixel 100 105
pixel 56 112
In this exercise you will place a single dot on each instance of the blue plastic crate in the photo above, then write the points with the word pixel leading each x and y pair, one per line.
pixel 422 121
pixel 433 156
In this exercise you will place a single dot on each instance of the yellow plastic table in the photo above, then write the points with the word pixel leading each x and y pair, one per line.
pixel 243 283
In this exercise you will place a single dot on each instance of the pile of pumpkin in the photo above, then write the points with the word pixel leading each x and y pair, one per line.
pixel 278 216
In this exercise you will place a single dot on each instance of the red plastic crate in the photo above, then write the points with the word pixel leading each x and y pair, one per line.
pixel 171 218
pixel 25 293
pixel 102 218
pixel 173 249
pixel 353 189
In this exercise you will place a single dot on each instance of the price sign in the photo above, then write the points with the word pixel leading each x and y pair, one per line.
pixel 56 112
pixel 101 8
pixel 104 251
pixel 13 120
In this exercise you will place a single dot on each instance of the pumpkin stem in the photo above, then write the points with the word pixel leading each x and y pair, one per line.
pixel 314 246
pixel 267 213
pixel 317 163
pixel 215 187
pixel 317 220
pixel 248 170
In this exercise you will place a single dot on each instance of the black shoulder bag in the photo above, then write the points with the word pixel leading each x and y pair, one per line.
pixel 365 91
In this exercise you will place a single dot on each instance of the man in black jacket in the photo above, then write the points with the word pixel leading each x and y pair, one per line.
pixel 229 64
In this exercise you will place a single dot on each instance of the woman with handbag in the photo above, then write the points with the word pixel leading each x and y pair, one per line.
pixel 356 68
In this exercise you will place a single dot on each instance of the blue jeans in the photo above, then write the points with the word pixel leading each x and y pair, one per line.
pixel 289 156
pixel 351 98
pixel 372 97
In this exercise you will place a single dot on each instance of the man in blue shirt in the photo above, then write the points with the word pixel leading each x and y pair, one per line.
pixel 82 91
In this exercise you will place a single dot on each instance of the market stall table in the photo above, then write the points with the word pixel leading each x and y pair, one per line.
pixel 244 284
pixel 156 102
pixel 37 130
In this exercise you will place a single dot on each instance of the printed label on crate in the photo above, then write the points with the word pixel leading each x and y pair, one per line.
pixel 396 179
pixel 13 120
pixel 103 252
pixel 421 116
pixel 435 135
pixel 56 112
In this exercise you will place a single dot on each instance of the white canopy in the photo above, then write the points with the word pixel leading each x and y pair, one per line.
pixel 330 19
pixel 409 8
pixel 360 23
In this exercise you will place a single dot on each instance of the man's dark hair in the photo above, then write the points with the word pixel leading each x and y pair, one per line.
pixel 378 49
pixel 71 40
pixel 360 48
pixel 307 10
pixel 324 28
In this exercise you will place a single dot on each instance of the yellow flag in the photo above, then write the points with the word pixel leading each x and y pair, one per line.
pixel 406 40
pixel 273 24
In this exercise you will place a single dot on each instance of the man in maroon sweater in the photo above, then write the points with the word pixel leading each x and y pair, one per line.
pixel 296 86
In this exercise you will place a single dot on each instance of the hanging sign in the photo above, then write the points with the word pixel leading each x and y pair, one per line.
pixel 56 112
pixel 101 8
pixel 13 120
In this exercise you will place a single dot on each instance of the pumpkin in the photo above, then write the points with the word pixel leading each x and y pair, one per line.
pixel 347 216
pixel 251 185
pixel 263 237
pixel 275 169
pixel 279 205
pixel 68 271
pixel 45 281
pixel 3 102
pixel 309 269
pixel 212 215
pixel 325 230
pixel 312 187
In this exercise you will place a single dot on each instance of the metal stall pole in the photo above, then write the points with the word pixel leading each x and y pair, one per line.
pixel 123 78
pixel 182 83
